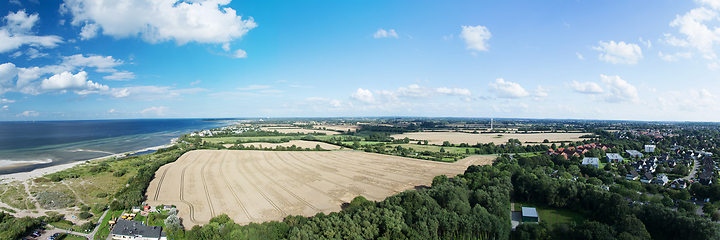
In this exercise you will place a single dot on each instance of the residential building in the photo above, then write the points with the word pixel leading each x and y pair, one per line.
pixel 678 183
pixel 661 179
pixel 650 148
pixel 634 153
pixel 647 177
pixel 530 214
pixel 591 161
pixel 632 175
pixel 135 230
pixel 614 157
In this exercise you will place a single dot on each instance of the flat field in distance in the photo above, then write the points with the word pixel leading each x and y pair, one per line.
pixel 257 186
pixel 298 130
pixel 344 128
pixel 497 138
pixel 297 143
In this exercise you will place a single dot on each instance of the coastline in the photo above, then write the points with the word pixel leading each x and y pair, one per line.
pixel 23 176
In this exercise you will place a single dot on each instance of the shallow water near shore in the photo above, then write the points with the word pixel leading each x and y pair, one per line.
pixel 25 146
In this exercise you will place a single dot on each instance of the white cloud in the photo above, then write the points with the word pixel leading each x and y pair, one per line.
pixel 159 111
pixel 96 61
pixel 647 44
pixel 476 37
pixel 673 41
pixel 540 92
pixel 34 53
pixel 448 37
pixel 587 87
pixel 195 82
pixel 363 95
pixel 89 31
pixel 579 56
pixel 16 2
pixel 202 21
pixel 620 90
pixel 385 34
pixel 3 100
pixel 120 76
pixel 240 54
pixel 674 57
pixel 713 66
pixel 16 54
pixel 254 87
pixel 5 108
pixel 619 53
pixel 454 91
pixel 508 89
pixel 226 46
pixel 698 35
pixel 16 32
pixel 28 114
pixel 68 81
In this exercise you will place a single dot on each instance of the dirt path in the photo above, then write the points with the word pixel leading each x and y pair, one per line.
pixel 30 196
pixel 77 196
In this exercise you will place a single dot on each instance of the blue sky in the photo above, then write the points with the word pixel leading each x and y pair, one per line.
pixel 624 60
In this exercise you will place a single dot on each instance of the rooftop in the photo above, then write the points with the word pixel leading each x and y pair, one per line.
pixel 136 228
pixel 529 212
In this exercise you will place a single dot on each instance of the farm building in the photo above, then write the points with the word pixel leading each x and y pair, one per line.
pixel 530 214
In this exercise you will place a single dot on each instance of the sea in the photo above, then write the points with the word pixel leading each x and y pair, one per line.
pixel 25 146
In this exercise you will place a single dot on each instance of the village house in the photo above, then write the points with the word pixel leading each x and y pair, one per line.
pixel 678 183
pixel 647 177
pixel 632 175
pixel 661 179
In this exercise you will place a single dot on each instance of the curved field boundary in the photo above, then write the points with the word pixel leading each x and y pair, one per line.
pixel 258 189
pixel 232 191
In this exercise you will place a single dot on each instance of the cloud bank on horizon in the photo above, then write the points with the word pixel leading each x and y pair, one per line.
pixel 85 59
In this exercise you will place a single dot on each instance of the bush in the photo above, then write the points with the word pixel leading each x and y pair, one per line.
pixel 55 200
pixel 54 216
pixel 102 194
pixel 84 208
pixel 87 226
pixel 120 173
pixel 85 215
pixel 97 208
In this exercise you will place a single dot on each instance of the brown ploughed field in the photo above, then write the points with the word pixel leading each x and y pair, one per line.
pixel 257 186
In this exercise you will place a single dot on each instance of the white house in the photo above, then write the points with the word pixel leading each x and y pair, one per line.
pixel 634 153
pixel 591 161
pixel 649 148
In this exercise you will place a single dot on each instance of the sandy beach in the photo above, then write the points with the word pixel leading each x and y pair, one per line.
pixel 23 176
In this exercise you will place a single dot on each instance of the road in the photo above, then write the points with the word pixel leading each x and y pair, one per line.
pixel 49 232
pixel 692 174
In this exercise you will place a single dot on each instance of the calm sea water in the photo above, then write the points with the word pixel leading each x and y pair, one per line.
pixel 48 143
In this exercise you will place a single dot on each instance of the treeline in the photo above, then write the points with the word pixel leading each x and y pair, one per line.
pixel 134 192
pixel 470 206
pixel 610 215
pixel 16 228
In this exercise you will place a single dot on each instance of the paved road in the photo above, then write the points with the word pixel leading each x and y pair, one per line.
pixel 50 232
pixel 692 174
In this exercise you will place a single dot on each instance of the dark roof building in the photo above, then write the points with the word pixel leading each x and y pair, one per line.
pixel 530 214
pixel 127 229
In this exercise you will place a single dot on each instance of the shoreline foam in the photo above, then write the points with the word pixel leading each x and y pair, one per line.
pixel 23 176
